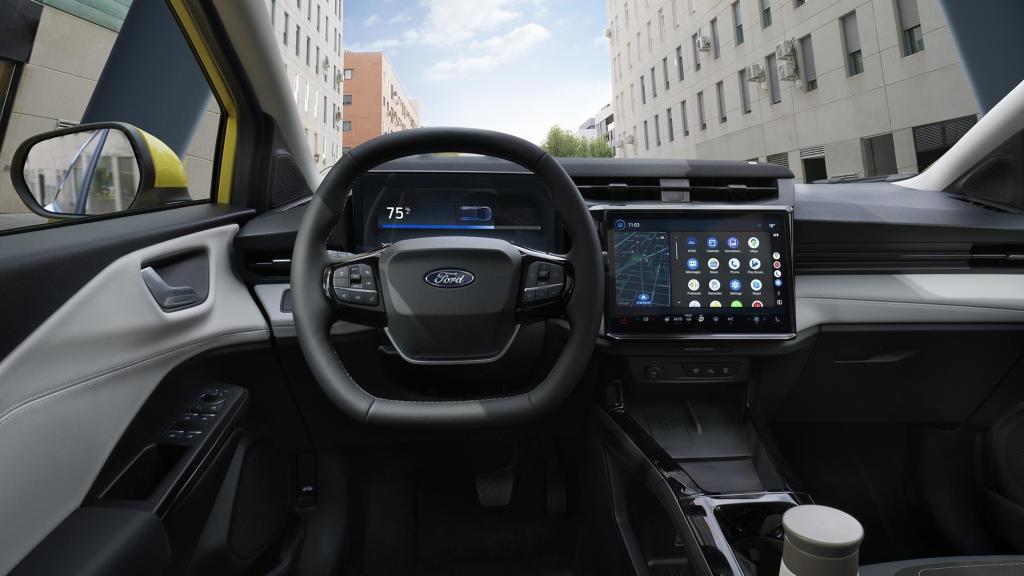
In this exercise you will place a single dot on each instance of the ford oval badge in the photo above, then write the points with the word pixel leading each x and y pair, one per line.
pixel 450 278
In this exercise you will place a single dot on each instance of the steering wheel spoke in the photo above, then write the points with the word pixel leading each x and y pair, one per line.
pixel 353 286
pixel 545 286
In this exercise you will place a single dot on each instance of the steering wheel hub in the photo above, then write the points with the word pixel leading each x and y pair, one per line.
pixel 450 299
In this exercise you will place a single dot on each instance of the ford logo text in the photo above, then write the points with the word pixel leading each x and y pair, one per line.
pixel 450 278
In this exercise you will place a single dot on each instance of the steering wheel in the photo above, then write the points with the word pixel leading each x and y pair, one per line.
pixel 449 299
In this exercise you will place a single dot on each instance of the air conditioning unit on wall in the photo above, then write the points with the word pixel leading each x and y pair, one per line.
pixel 703 44
pixel 755 73
pixel 785 50
pixel 787 70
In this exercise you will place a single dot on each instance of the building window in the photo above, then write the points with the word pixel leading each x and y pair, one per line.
pixel 661 24
pixel 744 91
pixel 650 39
pixel 814 169
pixel 347 73
pixel 273 14
pixel 632 97
pixel 715 46
pixel 774 89
pixel 307 50
pixel 317 17
pixel 851 44
pixel 737 22
pixel 346 100
pixel 910 24
pixel 879 155
pixel 643 91
pixel 664 70
pixel 657 130
pixel 696 51
pixel 700 111
pixel 316 62
pixel 798 3
pixel 932 140
pixel 685 118
pixel 298 35
pixel 654 84
pixel 647 137
pixel 346 126
pixel 766 13
pixel 810 75
pixel 720 95
pixel 285 28
pixel 670 125
pixel 679 62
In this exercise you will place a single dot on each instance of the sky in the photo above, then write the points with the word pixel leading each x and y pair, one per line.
pixel 517 66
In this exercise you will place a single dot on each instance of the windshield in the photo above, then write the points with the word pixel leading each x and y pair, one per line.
pixel 834 91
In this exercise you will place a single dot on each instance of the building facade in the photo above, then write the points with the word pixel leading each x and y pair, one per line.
pixel 605 123
pixel 831 89
pixel 309 35
pixel 375 101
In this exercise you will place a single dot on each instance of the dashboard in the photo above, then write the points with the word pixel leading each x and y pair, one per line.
pixel 854 247
pixel 675 269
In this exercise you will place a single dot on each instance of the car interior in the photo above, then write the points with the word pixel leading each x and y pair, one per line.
pixel 502 362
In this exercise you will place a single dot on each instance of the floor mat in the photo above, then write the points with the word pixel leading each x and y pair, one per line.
pixel 423 517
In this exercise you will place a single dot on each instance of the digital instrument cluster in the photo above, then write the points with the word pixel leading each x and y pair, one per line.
pixel 392 207
pixel 699 273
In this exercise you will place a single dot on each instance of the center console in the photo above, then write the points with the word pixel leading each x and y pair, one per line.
pixel 699 297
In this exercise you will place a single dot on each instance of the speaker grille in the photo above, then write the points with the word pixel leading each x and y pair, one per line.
pixel 287 183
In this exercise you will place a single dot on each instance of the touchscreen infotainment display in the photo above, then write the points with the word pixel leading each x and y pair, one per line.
pixel 699 273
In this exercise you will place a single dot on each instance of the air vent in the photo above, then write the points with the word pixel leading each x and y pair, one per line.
pixel 678 189
pixel 268 266
pixel 620 189
pixel 733 189
pixel 997 256
pixel 991 207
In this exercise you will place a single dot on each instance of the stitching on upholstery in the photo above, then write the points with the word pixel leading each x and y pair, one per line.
pixel 954 567
pixel 43 397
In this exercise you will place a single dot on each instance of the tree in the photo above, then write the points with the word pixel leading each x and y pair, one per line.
pixel 562 143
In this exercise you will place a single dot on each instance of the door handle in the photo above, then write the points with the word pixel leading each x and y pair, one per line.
pixel 169 298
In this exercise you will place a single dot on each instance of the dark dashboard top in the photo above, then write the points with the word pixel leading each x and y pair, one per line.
pixel 840 228
pixel 596 167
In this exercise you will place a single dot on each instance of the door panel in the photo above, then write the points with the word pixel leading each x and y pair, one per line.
pixel 70 389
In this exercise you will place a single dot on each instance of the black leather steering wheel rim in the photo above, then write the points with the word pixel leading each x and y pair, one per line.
pixel 314 313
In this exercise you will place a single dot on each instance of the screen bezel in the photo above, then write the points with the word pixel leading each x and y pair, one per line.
pixel 785 332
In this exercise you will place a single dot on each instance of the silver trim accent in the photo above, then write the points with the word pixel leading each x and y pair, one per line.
pixel 453 362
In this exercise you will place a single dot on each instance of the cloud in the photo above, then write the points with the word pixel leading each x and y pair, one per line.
pixel 400 17
pixel 453 21
pixel 371 20
pixel 491 53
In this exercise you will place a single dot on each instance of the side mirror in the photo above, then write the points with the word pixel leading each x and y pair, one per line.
pixel 98 168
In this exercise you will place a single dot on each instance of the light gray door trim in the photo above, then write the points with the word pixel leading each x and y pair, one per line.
pixel 68 391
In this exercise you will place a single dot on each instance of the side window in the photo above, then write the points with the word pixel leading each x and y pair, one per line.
pixel 73 63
